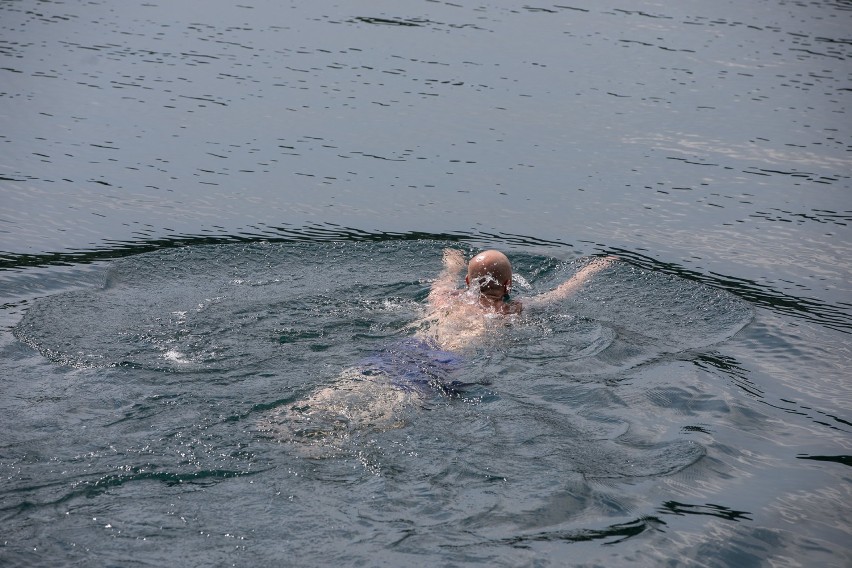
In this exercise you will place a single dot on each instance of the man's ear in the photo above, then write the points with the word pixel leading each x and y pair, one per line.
pixel 508 285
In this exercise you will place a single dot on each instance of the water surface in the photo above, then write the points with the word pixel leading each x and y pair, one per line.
pixel 186 191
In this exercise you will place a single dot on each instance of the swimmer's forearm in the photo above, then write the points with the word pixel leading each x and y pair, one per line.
pixel 446 281
pixel 453 263
pixel 574 283
pixel 453 260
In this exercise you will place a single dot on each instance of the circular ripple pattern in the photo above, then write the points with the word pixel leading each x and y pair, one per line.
pixel 226 308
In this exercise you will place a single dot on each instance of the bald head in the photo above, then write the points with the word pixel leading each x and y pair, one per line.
pixel 490 269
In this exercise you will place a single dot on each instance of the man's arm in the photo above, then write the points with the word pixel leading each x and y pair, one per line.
pixel 445 283
pixel 572 284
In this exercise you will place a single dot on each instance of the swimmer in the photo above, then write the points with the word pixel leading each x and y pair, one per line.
pixel 457 317
pixel 375 395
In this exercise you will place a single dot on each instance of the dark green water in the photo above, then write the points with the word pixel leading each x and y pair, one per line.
pixel 210 213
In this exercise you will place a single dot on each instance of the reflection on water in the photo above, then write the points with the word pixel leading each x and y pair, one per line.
pixel 789 160
pixel 675 508
pixel 845 460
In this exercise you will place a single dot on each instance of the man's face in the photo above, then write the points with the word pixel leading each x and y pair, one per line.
pixel 490 287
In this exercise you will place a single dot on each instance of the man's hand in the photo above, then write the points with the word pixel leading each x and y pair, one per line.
pixel 575 282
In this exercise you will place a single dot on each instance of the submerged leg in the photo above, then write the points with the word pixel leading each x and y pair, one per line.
pixel 322 424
